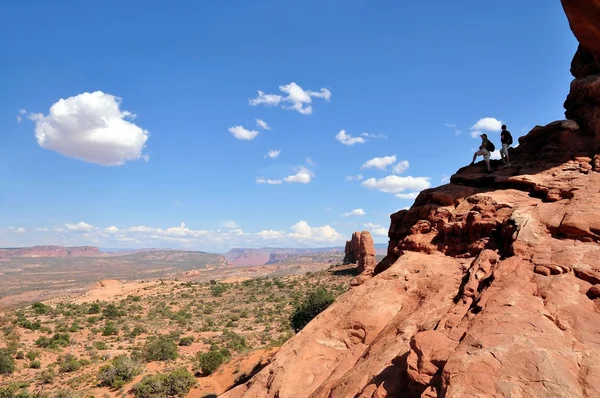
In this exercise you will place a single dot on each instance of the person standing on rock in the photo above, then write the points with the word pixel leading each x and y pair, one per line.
pixel 507 140
pixel 485 149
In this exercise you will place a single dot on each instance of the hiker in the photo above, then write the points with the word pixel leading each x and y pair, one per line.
pixel 485 149
pixel 507 140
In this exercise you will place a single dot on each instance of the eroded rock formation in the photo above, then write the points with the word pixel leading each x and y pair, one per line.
pixel 491 283
pixel 360 249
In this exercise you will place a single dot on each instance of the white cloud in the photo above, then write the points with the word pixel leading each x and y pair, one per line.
pixel 458 132
pixel 486 124
pixel 20 230
pixel 111 230
pixel 182 231
pixel 410 195
pixel 355 212
pixel 80 227
pixel 496 155
pixel 303 176
pixel 377 230
pixel 272 154
pixel 401 167
pixel 262 124
pixel 298 98
pixel 92 128
pixel 241 133
pixel 261 180
pixel 19 119
pixel 271 234
pixel 450 125
pixel 356 177
pixel 303 231
pixel 445 179
pixel 379 163
pixel 347 139
pixel 22 111
pixel 231 224
pixel 369 135
pixel 396 184
pixel 310 161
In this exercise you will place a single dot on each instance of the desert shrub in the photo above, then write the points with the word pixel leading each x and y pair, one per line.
pixel 112 312
pixel 110 329
pixel 32 355
pixel 137 330
pixel 160 348
pixel 66 393
pixel 235 341
pixel 58 340
pixel 211 360
pixel 8 391
pixel 47 376
pixel 218 289
pixel 176 383
pixel 116 374
pixel 40 308
pixel 69 363
pixel 20 355
pixel 94 308
pixel 313 305
pixel 186 341
pixel 100 345
pixel 35 364
pixel 7 363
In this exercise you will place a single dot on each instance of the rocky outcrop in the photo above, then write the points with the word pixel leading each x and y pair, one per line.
pixel 490 286
pixel 360 249
pixel 352 249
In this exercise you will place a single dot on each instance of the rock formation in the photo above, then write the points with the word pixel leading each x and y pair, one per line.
pixel 360 250
pixel 491 283
pixel 51 251
pixel 352 249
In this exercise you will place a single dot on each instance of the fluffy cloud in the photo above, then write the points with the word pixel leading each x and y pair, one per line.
pixel 347 139
pixel 410 195
pixel 231 224
pixel 111 230
pixel 303 231
pixel 262 124
pixel 486 124
pixel 92 128
pixel 80 227
pixel 356 177
pixel 396 184
pixel 261 180
pixel 401 167
pixel 379 163
pixel 20 230
pixel 375 229
pixel 355 212
pixel 273 154
pixel 369 135
pixel 303 176
pixel 241 133
pixel 271 234
pixel 298 98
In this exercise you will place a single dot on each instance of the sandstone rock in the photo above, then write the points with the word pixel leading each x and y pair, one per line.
pixel 458 308
pixel 352 249
pixel 594 292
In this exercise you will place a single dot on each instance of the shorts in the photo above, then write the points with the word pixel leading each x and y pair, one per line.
pixel 483 152
pixel 505 148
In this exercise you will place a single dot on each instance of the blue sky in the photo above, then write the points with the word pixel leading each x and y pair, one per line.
pixel 141 152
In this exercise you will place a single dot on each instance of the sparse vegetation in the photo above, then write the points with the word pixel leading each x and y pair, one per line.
pixel 7 363
pixel 176 383
pixel 116 374
pixel 312 306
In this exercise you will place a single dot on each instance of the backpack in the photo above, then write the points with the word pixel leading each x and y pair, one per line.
pixel 490 146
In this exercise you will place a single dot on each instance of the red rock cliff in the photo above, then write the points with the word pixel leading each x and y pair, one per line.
pixel 490 286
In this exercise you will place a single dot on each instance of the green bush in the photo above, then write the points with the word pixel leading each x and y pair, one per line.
pixel 186 341
pixel 116 374
pixel 58 340
pixel 32 355
pixel 47 376
pixel 110 329
pixel 69 363
pixel 177 383
pixel 160 348
pixel 211 360
pixel 7 363
pixel 35 364
pixel 313 305
pixel 40 308
pixel 218 289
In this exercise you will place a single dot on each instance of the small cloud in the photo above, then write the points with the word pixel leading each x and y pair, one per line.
pixel 400 167
pixel 20 230
pixel 80 227
pixel 356 177
pixel 230 224
pixel 445 179
pixel 309 161
pixel 355 212
pixel 411 195
pixel 270 234
pixel 369 135
pixel 458 132
pixel 450 125
pixel 22 111
pixel 396 184
pixel 379 163
pixel 19 119
pixel 377 230
pixel 261 180
pixel 262 124
pixel 486 124
pixel 272 154
pixel 298 98
pixel 241 133
pixel 111 230
pixel 303 176
pixel 347 139
pixel 146 158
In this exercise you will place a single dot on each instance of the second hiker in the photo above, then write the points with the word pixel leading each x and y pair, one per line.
pixel 485 149
pixel 507 140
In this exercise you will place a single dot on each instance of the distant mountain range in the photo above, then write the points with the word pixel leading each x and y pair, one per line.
pixel 235 257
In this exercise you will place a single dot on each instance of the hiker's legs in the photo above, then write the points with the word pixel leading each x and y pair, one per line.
pixel 486 157
pixel 505 153
pixel 474 157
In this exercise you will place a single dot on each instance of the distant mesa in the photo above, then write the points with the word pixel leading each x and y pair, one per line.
pixel 51 251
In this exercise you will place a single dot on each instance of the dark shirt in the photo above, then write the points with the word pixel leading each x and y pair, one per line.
pixel 506 137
